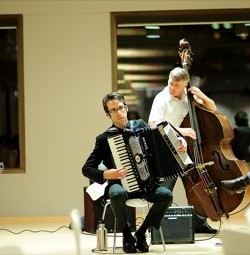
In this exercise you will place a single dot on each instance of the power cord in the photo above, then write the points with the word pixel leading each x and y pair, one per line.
pixel 33 231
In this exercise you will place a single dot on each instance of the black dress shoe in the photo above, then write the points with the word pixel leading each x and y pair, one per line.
pixel 129 244
pixel 206 229
pixel 141 244
pixel 236 185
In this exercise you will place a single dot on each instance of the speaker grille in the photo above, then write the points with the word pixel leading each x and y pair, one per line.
pixel 177 226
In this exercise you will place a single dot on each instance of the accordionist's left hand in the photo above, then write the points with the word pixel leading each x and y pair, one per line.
pixel 183 145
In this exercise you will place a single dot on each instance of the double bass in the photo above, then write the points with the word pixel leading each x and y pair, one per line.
pixel 212 154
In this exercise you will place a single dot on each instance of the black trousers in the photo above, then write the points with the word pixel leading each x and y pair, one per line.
pixel 161 197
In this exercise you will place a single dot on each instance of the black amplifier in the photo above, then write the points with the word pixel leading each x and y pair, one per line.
pixel 177 226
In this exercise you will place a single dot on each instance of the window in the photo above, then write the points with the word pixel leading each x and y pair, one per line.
pixel 220 42
pixel 12 147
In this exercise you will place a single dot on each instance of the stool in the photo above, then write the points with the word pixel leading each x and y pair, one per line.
pixel 132 203
pixel 139 202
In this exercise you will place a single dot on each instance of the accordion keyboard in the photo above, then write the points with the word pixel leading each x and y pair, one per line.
pixel 121 156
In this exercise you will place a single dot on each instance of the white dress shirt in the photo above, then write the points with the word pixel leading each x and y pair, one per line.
pixel 165 107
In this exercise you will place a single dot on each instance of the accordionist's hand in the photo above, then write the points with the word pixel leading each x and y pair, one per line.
pixel 115 173
pixel 183 145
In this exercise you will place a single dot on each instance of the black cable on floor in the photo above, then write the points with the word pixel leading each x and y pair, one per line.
pixel 33 231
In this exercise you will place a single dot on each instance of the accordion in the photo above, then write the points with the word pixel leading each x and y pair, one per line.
pixel 150 155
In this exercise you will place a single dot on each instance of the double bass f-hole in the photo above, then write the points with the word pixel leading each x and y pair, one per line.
pixel 226 167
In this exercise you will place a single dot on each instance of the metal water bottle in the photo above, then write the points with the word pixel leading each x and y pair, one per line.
pixel 101 234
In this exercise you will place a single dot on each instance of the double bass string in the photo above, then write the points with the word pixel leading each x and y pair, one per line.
pixel 186 56
pixel 206 186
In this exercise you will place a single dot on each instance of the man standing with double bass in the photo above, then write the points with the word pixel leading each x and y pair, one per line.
pixel 171 105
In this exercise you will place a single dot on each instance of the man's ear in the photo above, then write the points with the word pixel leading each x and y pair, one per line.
pixel 108 115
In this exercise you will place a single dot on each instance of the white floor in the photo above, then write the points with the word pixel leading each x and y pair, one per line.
pixel 63 242
pixel 51 236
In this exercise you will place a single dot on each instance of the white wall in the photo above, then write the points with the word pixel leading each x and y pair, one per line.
pixel 67 71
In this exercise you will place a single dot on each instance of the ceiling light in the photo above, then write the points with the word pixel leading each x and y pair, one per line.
pixel 144 67
pixel 215 26
pixel 153 32
pixel 153 36
pixel 142 53
pixel 152 27
pixel 144 77
pixel 227 25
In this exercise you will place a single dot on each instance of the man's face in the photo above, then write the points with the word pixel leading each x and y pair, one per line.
pixel 118 113
pixel 176 88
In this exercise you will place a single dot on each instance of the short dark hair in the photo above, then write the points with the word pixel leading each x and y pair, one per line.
pixel 112 96
pixel 241 119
